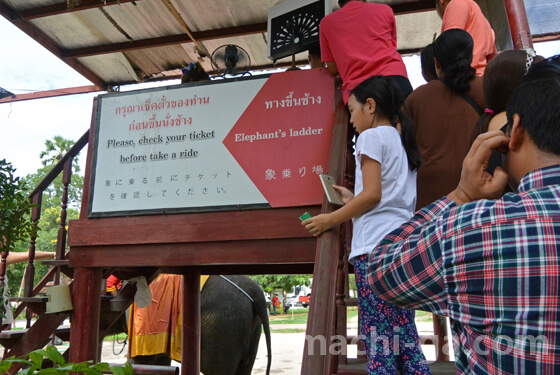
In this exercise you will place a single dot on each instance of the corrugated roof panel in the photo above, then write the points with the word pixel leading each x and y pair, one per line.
pixel 79 29
pixel 114 68
pixel 154 60
pixel 110 24
pixel 216 14
pixel 30 4
pixel 142 20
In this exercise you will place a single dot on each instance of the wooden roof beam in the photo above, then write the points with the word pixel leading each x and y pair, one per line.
pixel 412 6
pixel 165 41
pixel 228 32
pixel 56 9
pixel 51 93
pixel 546 37
pixel 399 7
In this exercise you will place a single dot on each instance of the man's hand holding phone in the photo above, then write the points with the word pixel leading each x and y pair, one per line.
pixel 476 183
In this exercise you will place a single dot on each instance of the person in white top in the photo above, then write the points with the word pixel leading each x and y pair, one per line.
pixel 385 197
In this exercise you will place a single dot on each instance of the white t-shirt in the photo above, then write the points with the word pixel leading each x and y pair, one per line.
pixel 398 187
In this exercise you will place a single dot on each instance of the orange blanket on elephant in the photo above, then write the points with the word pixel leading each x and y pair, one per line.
pixel 156 329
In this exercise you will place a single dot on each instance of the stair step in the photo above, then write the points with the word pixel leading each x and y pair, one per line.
pixel 114 304
pixel 443 368
pixel 9 337
pixel 56 262
pixel 36 304
pixel 358 367
pixel 351 301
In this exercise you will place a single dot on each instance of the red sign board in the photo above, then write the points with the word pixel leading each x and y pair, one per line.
pixel 282 139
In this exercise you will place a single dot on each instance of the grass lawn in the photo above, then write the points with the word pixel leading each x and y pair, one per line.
pixel 299 317
pixel 288 330
pixel 423 316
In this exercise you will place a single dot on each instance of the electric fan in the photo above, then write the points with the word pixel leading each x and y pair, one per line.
pixel 231 59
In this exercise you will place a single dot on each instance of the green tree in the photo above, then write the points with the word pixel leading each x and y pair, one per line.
pixel 49 222
pixel 15 219
pixel 55 150
pixel 284 282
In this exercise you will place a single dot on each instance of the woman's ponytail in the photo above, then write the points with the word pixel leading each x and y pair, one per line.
pixel 453 50
pixel 459 75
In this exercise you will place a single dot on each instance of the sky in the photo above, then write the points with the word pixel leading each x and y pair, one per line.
pixel 26 66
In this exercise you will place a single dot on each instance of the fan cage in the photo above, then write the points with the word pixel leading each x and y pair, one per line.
pixel 220 58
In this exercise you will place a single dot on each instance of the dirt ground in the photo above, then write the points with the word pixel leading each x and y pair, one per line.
pixel 287 350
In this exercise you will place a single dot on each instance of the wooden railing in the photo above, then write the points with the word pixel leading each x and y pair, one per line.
pixel 63 166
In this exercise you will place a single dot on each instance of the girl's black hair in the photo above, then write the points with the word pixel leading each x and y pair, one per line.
pixel 389 100
pixel 453 50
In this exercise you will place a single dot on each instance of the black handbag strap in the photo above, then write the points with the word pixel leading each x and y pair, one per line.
pixel 466 98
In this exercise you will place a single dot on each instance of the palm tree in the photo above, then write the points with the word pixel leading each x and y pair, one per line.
pixel 55 150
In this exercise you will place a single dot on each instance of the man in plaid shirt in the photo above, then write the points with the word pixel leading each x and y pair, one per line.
pixel 492 266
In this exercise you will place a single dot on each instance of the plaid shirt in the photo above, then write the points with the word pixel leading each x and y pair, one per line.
pixel 493 267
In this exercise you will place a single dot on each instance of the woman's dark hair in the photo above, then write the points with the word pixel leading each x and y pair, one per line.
pixel 453 50
pixel 427 63
pixel 543 69
pixel 389 100
pixel 554 59
pixel 501 77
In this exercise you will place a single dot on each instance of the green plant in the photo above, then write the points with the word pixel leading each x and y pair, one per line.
pixel 34 365
pixel 15 208
pixel 15 218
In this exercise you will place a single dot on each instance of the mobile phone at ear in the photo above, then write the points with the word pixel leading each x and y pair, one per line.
pixel 333 196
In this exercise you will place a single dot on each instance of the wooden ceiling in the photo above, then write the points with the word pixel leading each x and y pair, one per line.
pixel 116 42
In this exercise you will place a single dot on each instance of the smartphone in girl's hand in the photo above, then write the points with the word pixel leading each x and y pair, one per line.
pixel 333 196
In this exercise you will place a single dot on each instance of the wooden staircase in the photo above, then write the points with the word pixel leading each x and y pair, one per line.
pixel 38 333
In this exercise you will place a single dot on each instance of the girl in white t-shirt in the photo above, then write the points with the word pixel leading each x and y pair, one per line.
pixel 385 196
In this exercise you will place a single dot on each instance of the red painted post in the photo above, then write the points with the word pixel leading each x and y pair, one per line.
pixel 190 345
pixel 518 24
pixel 86 298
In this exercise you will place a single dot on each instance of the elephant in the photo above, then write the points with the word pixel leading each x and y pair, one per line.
pixel 233 315
pixel 231 325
